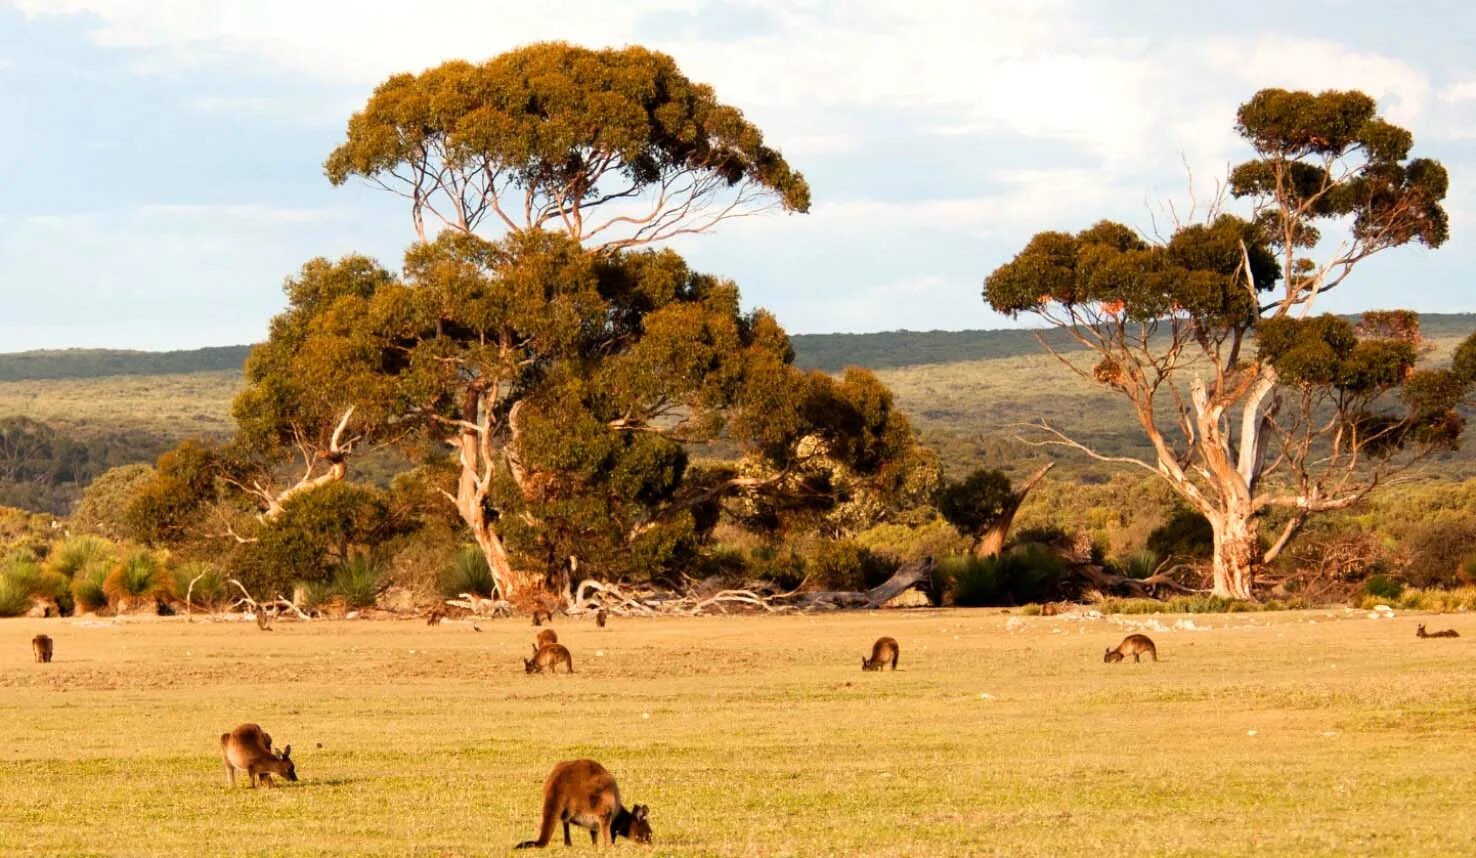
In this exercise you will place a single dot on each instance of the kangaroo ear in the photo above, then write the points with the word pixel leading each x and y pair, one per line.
pixel 640 812
pixel 287 752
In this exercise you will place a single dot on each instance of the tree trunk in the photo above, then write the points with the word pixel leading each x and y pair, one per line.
pixel 1237 554
pixel 992 539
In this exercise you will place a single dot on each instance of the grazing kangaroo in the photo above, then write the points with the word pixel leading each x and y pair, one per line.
pixel 548 658
pixel 539 615
pixel 41 646
pixel 262 622
pixel 249 749
pixel 1447 633
pixel 435 617
pixel 883 650
pixel 546 637
pixel 583 793
pixel 600 617
pixel 1132 645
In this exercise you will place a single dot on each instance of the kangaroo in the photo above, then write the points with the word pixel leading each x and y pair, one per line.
pixel 539 615
pixel 1419 633
pixel 548 657
pixel 435 617
pixel 583 793
pixel 1132 645
pixel 262 622
pixel 881 651
pixel 249 749
pixel 546 637
pixel 600 617
pixel 41 646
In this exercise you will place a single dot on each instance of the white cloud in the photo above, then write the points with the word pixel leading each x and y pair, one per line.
pixel 1459 92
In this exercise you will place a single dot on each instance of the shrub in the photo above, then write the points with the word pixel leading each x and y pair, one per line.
pixel 468 573
pixel 1029 573
pixel 844 565
pixel 1140 564
pixel 87 589
pixel 358 581
pixel 135 582
pixel 1438 549
pixel 79 552
pixel 1383 587
pixel 1199 604
pixel 209 591
pixel 15 599
pixel 784 569
pixel 1458 599
pixel 1187 533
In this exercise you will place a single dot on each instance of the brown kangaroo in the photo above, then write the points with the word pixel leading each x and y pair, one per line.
pixel 548 658
pixel 883 650
pixel 41 646
pixel 539 615
pixel 262 622
pixel 1419 633
pixel 249 749
pixel 435 617
pixel 600 617
pixel 1132 645
pixel 546 637
pixel 583 793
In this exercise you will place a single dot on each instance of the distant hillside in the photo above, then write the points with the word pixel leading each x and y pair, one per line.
pixel 100 363
pixel 827 352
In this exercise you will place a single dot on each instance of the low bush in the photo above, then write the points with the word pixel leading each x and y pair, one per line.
pixel 1029 573
pixel 201 583
pixel 1382 587
pixel 358 580
pixel 87 590
pixel 135 582
pixel 15 599
pixel 468 573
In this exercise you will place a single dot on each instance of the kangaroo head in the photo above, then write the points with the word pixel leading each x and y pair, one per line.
pixel 286 757
pixel 1111 656
pixel 528 666
pixel 634 824
pixel 1420 630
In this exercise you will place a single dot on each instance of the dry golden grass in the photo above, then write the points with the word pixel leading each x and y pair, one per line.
pixel 1297 733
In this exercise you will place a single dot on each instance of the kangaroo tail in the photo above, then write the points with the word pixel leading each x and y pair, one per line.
pixel 546 830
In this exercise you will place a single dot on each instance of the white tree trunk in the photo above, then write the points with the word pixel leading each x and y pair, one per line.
pixel 1236 553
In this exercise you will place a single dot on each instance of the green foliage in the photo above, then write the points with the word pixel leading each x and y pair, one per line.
pixel 359 581
pixel 562 124
pixel 1140 564
pixel 843 564
pixel 1417 599
pixel 88 593
pixel 80 552
pixel 974 503
pixel 1186 534
pixel 904 542
pixel 138 580
pixel 1437 549
pixel 15 597
pixel 1383 587
pixel 1199 604
pixel 202 581
pixel 317 531
pixel 98 363
pixel 1029 573
pixel 469 573
pixel 165 509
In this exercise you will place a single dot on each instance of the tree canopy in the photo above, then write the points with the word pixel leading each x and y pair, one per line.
pixel 616 147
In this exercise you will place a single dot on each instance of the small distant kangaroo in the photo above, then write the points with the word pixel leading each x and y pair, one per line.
pixel 249 749
pixel 546 637
pixel 548 658
pixel 583 793
pixel 539 615
pixel 41 646
pixel 884 650
pixel 1132 645
pixel 262 622
pixel 600 617
pixel 1419 633
pixel 435 617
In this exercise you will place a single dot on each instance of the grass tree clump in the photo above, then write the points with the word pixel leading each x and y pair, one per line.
pixel 88 594
pixel 1027 573
pixel 201 583
pixel 359 581
pixel 76 553
pixel 468 573
pixel 137 581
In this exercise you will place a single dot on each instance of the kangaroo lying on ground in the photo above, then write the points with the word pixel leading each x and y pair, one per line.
pixel 249 749
pixel 1132 645
pixel 1447 633
pixel 546 637
pixel 41 646
pixel 548 658
pixel 884 650
pixel 583 793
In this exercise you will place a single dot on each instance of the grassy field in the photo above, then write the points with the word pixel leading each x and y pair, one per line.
pixel 1286 734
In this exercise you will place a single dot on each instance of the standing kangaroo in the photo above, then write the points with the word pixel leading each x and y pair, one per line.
pixel 884 650
pixel 583 793
pixel 41 646
pixel 249 749
pixel 548 658
pixel 262 622
pixel 546 637
pixel 601 616
pixel 1132 645
pixel 1421 633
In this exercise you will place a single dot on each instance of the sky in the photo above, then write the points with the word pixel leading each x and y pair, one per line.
pixel 161 160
